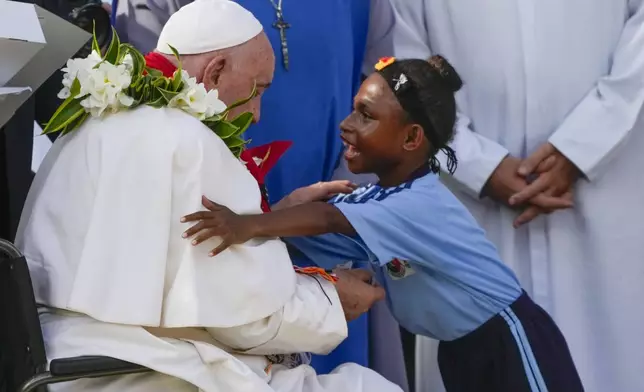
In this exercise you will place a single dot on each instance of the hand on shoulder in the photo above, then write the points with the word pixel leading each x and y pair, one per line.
pixel 321 191
pixel 219 221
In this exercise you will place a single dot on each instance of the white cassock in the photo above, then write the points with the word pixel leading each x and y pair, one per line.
pixel 101 232
pixel 571 73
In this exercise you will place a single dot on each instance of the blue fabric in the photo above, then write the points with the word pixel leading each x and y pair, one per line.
pixel 115 4
pixel 453 280
pixel 305 105
pixel 355 349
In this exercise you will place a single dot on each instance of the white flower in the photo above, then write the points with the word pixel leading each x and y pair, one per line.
pixel 77 68
pixel 104 87
pixel 128 62
pixel 195 100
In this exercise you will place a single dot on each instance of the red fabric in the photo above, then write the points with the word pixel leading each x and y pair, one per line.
pixel 159 62
pixel 268 154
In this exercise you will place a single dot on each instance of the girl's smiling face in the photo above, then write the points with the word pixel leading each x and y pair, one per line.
pixel 373 133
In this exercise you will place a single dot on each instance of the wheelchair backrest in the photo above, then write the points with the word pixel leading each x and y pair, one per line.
pixel 22 350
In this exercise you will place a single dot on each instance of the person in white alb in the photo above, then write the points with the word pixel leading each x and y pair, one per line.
pixel 102 234
pixel 552 107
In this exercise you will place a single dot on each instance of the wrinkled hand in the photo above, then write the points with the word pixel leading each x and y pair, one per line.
pixel 556 176
pixel 357 293
pixel 218 221
pixel 317 192
pixel 505 182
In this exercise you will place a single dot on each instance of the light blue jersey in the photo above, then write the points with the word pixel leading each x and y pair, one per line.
pixel 443 277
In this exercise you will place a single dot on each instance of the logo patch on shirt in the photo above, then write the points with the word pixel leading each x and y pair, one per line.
pixel 399 269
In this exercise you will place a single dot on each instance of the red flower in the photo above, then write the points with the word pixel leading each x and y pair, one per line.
pixel 159 62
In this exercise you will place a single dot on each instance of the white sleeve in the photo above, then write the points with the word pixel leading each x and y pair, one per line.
pixel 312 321
pixel 602 121
pixel 397 28
pixel 391 35
pixel 477 156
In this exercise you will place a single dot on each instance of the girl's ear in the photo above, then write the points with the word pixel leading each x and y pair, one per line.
pixel 414 138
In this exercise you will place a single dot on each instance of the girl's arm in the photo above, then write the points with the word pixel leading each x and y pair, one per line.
pixel 321 191
pixel 303 220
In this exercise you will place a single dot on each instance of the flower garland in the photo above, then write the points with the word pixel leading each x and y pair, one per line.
pixel 120 80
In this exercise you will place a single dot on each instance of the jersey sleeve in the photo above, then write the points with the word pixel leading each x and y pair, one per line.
pixel 425 225
pixel 329 250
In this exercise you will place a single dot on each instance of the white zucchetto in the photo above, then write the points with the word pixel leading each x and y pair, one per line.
pixel 207 25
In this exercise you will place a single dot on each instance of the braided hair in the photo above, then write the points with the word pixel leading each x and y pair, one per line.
pixel 425 91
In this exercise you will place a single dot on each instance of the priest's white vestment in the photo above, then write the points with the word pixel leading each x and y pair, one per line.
pixel 570 73
pixel 102 235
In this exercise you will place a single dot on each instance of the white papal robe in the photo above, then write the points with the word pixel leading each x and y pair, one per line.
pixel 101 232
pixel 570 73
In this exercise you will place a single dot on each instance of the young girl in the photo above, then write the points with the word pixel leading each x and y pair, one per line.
pixel 443 278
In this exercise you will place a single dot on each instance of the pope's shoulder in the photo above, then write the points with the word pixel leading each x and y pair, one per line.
pixel 154 126
pixel 156 121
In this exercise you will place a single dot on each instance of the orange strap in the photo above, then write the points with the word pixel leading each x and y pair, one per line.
pixel 316 271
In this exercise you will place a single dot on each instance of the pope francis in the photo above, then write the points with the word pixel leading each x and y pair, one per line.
pixel 102 234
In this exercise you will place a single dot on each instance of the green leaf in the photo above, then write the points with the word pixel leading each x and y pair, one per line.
pixel 237 151
pixel 177 80
pixel 112 54
pixel 56 114
pixel 225 130
pixel 158 103
pixel 235 141
pixel 75 123
pixel 243 101
pixel 162 83
pixel 154 72
pixel 212 121
pixel 243 121
pixel 75 89
pixel 168 95
pixel 66 113
pixel 95 46
pixel 138 61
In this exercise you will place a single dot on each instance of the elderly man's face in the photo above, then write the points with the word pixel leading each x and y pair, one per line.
pixel 234 74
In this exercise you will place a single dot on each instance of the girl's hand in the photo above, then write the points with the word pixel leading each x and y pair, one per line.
pixel 317 192
pixel 218 221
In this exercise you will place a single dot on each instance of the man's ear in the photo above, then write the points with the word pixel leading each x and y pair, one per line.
pixel 212 72
pixel 414 137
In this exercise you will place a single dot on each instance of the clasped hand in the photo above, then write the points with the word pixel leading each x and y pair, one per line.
pixel 356 292
pixel 540 184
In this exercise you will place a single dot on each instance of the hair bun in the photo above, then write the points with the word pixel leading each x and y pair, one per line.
pixel 447 73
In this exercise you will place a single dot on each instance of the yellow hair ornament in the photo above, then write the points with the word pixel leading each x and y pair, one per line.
pixel 384 62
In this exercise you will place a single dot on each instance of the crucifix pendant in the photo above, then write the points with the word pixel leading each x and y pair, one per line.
pixel 281 25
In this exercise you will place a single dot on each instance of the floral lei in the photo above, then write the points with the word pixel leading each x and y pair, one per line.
pixel 120 80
